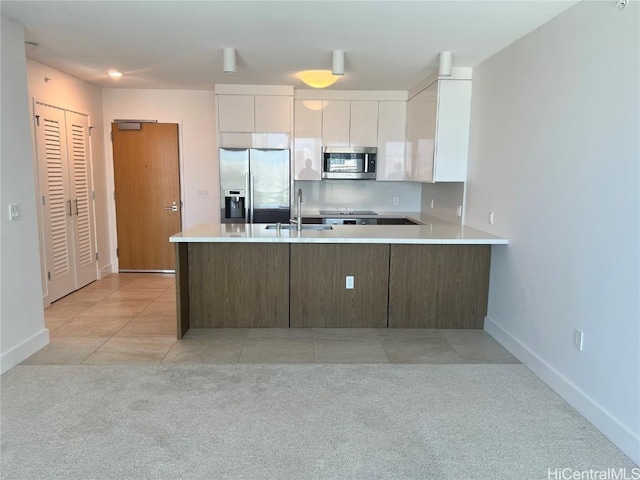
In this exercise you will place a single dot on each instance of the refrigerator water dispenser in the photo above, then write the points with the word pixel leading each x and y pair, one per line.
pixel 234 205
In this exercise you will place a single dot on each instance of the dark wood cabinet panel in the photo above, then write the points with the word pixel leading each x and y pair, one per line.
pixel 312 220
pixel 243 285
pixel 182 288
pixel 318 278
pixel 438 286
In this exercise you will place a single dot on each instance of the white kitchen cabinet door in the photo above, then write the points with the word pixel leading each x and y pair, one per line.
pixel 236 113
pixel 363 131
pixel 336 115
pixel 308 140
pixel 392 118
pixel 452 135
pixel 272 114
pixel 421 130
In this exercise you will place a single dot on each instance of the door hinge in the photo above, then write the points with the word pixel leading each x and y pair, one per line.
pixel 90 128
pixel 37 120
pixel 97 256
pixel 49 276
pixel 93 194
pixel 111 133
pixel 44 202
pixel 117 253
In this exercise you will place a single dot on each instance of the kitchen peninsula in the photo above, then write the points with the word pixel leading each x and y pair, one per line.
pixel 431 275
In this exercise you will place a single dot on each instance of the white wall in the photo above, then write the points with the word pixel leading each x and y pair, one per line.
pixel 65 91
pixel 554 153
pixel 22 330
pixel 194 111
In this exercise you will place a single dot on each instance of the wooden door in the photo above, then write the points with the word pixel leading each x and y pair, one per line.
pixel 56 202
pixel 147 184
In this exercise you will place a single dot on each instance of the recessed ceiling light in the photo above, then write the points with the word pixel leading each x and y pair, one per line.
pixel 318 78
pixel 115 74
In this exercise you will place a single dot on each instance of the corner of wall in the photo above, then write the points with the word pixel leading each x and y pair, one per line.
pixel 595 413
pixel 443 200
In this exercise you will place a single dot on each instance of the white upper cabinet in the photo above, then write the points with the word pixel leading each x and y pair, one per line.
pixel 452 140
pixel 349 123
pixel 308 140
pixel 336 118
pixel 438 132
pixel 363 128
pixel 242 113
pixel 272 114
pixel 392 117
pixel 421 132
pixel 236 113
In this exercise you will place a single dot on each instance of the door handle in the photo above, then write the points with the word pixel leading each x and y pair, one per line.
pixel 69 203
pixel 253 213
pixel 77 211
pixel 173 207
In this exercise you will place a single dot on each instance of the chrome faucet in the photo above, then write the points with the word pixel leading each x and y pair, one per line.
pixel 298 219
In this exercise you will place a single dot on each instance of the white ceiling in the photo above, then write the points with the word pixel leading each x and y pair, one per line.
pixel 389 45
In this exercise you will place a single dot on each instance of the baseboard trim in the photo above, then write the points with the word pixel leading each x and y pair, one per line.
pixel 106 270
pixel 24 350
pixel 611 427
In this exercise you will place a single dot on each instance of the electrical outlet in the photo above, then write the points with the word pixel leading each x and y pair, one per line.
pixel 349 282
pixel 202 193
pixel 578 339
pixel 491 218
pixel 396 200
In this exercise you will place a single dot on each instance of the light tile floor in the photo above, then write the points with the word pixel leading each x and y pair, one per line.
pixel 130 318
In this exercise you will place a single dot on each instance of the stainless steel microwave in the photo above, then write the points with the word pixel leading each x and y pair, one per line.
pixel 349 163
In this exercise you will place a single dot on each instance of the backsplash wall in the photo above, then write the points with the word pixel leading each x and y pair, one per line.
pixel 360 195
pixel 446 198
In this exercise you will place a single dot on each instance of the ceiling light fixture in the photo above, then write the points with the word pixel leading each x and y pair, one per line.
pixel 338 62
pixel 229 60
pixel 446 61
pixel 115 74
pixel 318 78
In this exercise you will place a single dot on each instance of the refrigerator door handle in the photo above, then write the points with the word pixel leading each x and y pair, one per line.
pixel 247 211
pixel 252 181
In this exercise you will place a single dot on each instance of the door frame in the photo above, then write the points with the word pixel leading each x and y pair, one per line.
pixel 41 243
pixel 113 229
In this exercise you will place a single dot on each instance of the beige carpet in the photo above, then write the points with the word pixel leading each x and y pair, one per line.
pixel 291 422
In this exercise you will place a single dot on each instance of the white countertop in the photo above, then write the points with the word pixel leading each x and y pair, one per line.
pixel 432 231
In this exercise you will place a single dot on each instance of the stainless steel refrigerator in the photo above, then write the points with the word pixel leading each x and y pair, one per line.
pixel 254 185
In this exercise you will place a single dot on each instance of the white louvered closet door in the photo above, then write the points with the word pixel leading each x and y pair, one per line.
pixel 57 220
pixel 81 194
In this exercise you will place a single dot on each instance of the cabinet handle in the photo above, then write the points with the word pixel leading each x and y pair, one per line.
pixel 69 203
pixel 77 211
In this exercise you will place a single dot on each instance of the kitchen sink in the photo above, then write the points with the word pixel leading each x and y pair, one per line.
pixel 285 226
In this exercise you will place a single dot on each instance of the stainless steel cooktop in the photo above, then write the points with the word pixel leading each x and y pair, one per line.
pixel 347 212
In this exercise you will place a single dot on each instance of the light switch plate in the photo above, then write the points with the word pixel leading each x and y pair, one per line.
pixel 202 193
pixel 15 212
